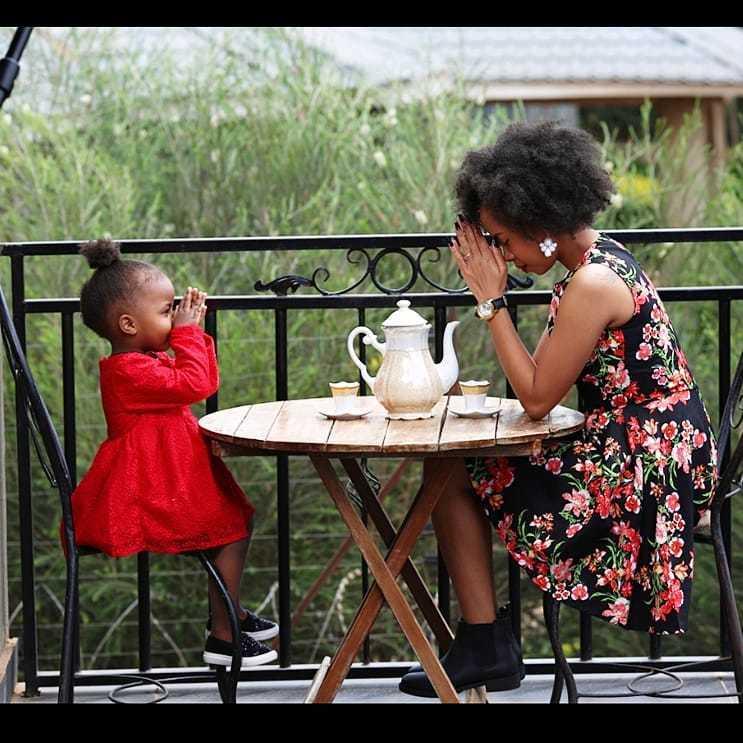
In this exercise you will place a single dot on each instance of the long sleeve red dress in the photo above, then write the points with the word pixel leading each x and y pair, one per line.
pixel 154 484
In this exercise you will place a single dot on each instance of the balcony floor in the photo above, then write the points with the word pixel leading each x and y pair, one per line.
pixel 534 689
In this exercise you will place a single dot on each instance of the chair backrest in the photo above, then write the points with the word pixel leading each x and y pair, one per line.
pixel 49 450
pixel 731 418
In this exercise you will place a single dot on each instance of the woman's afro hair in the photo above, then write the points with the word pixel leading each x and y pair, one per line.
pixel 537 176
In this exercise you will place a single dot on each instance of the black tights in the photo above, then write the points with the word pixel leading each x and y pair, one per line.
pixel 230 562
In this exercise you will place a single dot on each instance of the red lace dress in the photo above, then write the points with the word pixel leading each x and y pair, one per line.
pixel 154 484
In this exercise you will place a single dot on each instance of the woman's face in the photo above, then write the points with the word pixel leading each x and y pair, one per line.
pixel 517 249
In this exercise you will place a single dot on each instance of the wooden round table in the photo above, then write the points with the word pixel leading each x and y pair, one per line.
pixel 296 427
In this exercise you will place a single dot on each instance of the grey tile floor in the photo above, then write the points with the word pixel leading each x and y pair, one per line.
pixel 534 689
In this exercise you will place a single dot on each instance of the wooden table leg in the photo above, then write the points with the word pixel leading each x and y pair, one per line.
pixel 385 586
pixel 409 572
pixel 340 553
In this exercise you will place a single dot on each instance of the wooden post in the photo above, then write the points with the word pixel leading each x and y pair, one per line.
pixel 685 205
pixel 4 612
pixel 8 647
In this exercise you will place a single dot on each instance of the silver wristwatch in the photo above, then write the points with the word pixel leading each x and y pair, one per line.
pixel 488 309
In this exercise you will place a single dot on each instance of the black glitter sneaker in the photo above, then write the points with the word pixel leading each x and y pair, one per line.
pixel 259 628
pixel 219 653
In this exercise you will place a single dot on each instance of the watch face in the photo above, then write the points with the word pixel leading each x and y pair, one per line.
pixel 485 309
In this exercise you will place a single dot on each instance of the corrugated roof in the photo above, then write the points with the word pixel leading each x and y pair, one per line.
pixel 497 55
pixel 672 55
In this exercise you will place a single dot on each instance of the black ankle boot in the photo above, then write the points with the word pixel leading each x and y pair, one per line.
pixel 480 655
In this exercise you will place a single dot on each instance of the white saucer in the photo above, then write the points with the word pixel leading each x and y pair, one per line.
pixel 488 412
pixel 351 415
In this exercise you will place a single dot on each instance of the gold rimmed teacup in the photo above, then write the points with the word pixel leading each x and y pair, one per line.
pixel 475 392
pixel 344 396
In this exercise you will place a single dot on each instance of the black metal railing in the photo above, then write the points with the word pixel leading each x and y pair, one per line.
pixel 281 304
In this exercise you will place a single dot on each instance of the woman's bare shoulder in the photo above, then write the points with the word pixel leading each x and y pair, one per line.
pixel 598 288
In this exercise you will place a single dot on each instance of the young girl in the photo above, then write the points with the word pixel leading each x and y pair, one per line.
pixel 154 485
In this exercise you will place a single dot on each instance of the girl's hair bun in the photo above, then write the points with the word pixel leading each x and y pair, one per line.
pixel 101 253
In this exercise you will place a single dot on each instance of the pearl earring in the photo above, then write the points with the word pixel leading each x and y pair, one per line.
pixel 548 246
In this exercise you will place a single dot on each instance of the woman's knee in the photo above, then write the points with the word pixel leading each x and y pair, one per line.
pixel 459 483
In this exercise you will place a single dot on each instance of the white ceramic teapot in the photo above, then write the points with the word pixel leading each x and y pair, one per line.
pixel 408 383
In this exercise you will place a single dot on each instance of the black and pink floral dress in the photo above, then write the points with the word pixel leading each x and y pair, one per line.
pixel 603 520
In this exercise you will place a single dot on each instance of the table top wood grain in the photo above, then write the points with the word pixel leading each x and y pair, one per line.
pixel 297 427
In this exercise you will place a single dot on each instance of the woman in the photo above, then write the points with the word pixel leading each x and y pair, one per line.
pixel 602 520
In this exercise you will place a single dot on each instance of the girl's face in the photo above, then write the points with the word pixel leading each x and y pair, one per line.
pixel 151 315
pixel 517 249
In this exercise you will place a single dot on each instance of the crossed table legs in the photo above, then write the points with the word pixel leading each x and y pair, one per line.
pixel 386 570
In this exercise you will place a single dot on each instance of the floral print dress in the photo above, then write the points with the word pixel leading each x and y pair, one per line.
pixel 603 520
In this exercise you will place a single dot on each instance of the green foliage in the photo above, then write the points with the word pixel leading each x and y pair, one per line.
pixel 271 144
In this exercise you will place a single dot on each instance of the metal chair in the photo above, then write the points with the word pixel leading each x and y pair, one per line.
pixel 47 445
pixel 730 483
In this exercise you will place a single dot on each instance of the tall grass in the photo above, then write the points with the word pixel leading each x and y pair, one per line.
pixel 262 139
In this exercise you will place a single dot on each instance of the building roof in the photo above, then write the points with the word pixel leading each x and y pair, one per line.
pixel 696 56
pixel 498 62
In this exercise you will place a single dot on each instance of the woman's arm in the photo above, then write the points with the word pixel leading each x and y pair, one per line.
pixel 588 306
pixel 595 298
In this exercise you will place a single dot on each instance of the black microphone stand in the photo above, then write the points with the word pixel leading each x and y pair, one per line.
pixel 9 69
pixel 9 64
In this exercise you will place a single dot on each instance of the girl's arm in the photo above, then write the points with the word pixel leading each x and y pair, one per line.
pixel 150 384
pixel 213 367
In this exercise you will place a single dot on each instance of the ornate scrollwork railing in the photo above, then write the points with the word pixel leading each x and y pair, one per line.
pixel 290 283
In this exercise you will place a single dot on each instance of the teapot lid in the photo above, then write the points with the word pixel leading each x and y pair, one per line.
pixel 404 317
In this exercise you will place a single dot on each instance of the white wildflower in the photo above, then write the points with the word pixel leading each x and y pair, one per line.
pixel 168 229
pixel 608 166
pixel 4 151
pixel 214 156
pixel 390 118
pixel 7 119
pixel 420 216
pixel 454 163
pixel 240 111
pixel 481 100
pixel 365 130
pixel 215 119
pixel 390 121
pixel 86 99
pixel 143 133
pixel 175 119
pixel 361 185
pixel 617 200
pixel 406 98
pixel 380 158
pixel 118 129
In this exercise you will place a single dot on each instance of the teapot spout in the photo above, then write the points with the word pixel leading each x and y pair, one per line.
pixel 448 367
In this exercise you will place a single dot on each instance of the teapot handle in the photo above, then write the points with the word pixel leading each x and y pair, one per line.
pixel 369 338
